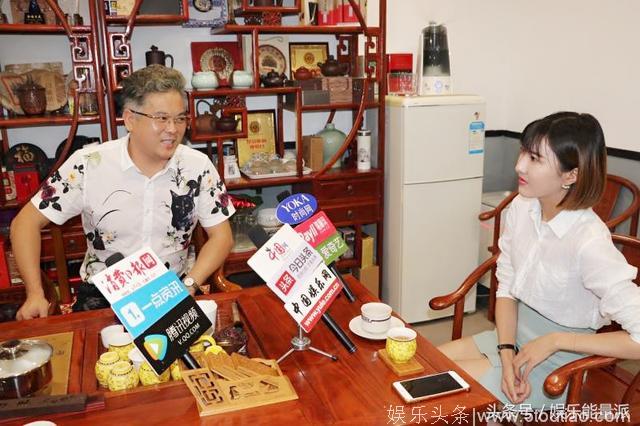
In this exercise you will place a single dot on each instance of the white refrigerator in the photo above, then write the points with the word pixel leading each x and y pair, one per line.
pixel 433 188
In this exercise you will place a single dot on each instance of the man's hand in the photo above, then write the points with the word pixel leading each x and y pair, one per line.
pixel 33 307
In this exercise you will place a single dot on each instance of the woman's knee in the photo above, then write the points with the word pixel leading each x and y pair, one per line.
pixel 464 348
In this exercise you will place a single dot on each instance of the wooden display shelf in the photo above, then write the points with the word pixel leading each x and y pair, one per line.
pixel 46 120
pixel 324 107
pixel 295 29
pixel 246 183
pixel 252 10
pixel 227 91
pixel 349 173
pixel 210 137
pixel 147 19
pixel 40 28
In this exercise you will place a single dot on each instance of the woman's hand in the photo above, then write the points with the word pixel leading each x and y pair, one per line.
pixel 515 389
pixel 533 353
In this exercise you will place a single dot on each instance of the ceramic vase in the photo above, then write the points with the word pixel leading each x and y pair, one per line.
pixel 333 140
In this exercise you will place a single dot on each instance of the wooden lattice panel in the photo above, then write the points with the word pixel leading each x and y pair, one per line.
pixel 231 383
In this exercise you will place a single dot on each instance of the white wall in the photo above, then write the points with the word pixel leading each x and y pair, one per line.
pixel 531 58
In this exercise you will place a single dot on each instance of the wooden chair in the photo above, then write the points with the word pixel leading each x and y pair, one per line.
pixel 604 209
pixel 605 381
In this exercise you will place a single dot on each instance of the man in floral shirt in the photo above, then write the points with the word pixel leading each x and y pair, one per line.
pixel 145 189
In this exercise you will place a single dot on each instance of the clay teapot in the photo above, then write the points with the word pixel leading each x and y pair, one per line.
pixel 302 73
pixel 226 124
pixel 273 79
pixel 205 123
pixel 155 56
pixel 332 67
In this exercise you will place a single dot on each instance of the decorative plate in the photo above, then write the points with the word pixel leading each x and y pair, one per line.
pixel 203 5
pixel 271 59
pixel 27 156
pixel 219 60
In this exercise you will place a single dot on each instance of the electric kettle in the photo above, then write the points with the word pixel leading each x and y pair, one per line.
pixel 434 70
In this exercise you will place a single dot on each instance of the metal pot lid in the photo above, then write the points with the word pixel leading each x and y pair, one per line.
pixel 18 357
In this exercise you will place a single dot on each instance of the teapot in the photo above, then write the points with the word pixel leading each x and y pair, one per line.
pixel 226 124
pixel 155 56
pixel 204 80
pixel 241 79
pixel 332 67
pixel 302 73
pixel 273 79
pixel 205 123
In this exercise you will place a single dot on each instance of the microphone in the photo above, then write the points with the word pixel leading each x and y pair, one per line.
pixel 332 266
pixel 113 259
pixel 258 237
pixel 188 359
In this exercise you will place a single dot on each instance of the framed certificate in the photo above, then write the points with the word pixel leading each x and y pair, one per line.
pixel 261 135
pixel 308 55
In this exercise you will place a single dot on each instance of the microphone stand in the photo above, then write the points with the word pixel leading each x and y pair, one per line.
pixel 345 287
pixel 190 361
pixel 303 343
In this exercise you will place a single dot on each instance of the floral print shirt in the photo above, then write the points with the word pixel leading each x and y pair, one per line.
pixel 123 210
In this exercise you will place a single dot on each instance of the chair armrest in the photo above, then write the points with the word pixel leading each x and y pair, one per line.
pixel 222 283
pixel 498 210
pixel 632 211
pixel 442 302
pixel 557 381
pixel 50 294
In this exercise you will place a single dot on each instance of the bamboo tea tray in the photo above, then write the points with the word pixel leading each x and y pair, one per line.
pixel 231 383
pixel 404 369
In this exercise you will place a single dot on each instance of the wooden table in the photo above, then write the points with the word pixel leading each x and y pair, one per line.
pixel 356 389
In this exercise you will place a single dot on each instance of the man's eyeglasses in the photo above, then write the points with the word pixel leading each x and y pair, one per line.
pixel 160 122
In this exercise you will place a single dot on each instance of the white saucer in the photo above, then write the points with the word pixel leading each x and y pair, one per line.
pixel 355 325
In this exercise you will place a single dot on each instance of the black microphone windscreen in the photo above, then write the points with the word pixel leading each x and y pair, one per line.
pixel 281 196
pixel 113 259
pixel 258 235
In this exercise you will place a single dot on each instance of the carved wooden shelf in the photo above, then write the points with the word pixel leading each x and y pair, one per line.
pixel 45 120
pixel 246 183
pixel 147 19
pixel 209 93
pixel 295 29
pixel 39 28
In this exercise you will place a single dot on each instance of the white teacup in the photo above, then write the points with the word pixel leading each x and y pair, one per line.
pixel 111 329
pixel 376 317
pixel 210 308
pixel 136 358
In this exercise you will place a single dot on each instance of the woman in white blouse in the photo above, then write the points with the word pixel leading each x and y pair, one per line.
pixel 560 277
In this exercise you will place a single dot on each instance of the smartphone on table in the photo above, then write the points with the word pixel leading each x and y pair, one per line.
pixel 431 386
